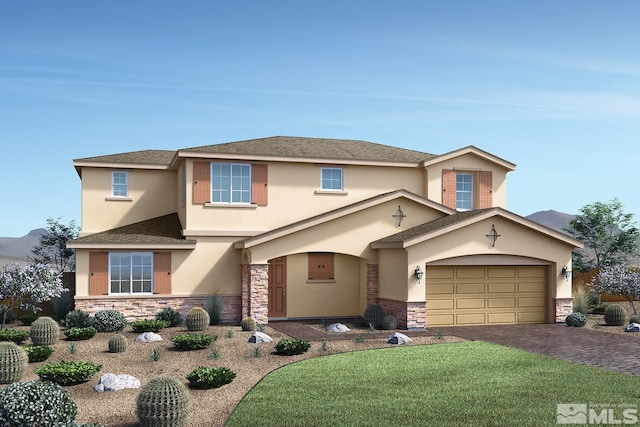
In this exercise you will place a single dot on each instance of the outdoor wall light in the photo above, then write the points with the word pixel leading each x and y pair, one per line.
pixel 493 235
pixel 418 273
pixel 566 272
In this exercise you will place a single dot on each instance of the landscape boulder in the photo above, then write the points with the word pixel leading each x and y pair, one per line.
pixel 260 337
pixel 633 327
pixel 113 382
pixel 337 327
pixel 148 337
pixel 398 338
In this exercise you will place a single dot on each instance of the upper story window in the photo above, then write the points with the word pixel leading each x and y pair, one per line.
pixel 331 179
pixel 230 183
pixel 130 272
pixel 464 191
pixel 119 184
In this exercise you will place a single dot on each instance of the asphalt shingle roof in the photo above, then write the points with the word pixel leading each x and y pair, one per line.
pixel 145 157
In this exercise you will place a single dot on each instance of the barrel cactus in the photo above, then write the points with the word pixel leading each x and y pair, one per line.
pixel 13 362
pixel 373 315
pixel 197 319
pixel 117 343
pixel 248 324
pixel 389 322
pixel 162 402
pixel 44 331
pixel 615 315
pixel 576 319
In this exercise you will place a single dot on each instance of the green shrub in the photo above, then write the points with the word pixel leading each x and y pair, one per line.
pixel 80 334
pixel 162 402
pixel 197 319
pixel 28 318
pixel 635 318
pixel 170 315
pixel 36 403
pixel 13 362
pixel 597 308
pixel 109 321
pixel 118 343
pixel 615 315
pixel 149 325
pixel 62 305
pixel 193 341
pixel 373 315
pixel 11 316
pixel 205 378
pixel 38 353
pixel 581 300
pixel 68 373
pixel 248 324
pixel 44 331
pixel 214 308
pixel 576 319
pixel 77 319
pixel 15 335
pixel 389 322
pixel 290 347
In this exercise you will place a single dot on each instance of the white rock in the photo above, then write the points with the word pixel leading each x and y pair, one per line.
pixel 633 327
pixel 260 337
pixel 398 338
pixel 113 382
pixel 337 327
pixel 148 337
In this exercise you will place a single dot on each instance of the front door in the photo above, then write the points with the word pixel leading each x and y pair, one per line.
pixel 278 287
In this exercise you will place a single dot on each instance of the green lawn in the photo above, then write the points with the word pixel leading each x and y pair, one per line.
pixel 459 384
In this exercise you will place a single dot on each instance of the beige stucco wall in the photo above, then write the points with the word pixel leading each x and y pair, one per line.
pixel 393 278
pixel 469 162
pixel 293 196
pixel 340 297
pixel 152 193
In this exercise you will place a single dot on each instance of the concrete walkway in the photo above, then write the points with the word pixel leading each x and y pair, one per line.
pixel 615 352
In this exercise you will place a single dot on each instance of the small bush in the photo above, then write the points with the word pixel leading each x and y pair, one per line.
pixel 28 318
pixel 597 308
pixel 205 378
pixel 38 353
pixel 214 308
pixel 581 300
pixel 77 319
pixel 109 321
pixel 149 325
pixel 193 341
pixel 15 335
pixel 80 334
pixel 290 347
pixel 36 403
pixel 68 373
pixel 576 319
pixel 635 318
pixel 11 316
pixel 62 305
pixel 173 317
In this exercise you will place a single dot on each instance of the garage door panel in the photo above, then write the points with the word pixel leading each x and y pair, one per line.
pixel 485 295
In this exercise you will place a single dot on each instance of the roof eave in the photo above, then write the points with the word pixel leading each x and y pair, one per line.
pixel 471 150
pixel 133 246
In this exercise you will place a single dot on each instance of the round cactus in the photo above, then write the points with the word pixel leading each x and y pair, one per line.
pixel 117 343
pixel 197 319
pixel 615 315
pixel 13 362
pixel 576 319
pixel 44 331
pixel 389 322
pixel 373 315
pixel 162 402
pixel 248 324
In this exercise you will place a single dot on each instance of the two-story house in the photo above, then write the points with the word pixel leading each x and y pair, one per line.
pixel 288 227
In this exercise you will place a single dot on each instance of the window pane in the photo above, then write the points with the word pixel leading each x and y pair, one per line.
pixel 464 191
pixel 119 184
pixel 331 178
pixel 131 272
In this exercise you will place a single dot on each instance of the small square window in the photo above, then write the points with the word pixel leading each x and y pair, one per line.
pixel 331 179
pixel 119 184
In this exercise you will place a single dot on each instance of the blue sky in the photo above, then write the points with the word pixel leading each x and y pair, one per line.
pixel 552 86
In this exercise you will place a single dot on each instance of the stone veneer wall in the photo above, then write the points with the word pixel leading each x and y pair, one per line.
pixel 410 315
pixel 372 284
pixel 259 293
pixel 146 307
pixel 564 307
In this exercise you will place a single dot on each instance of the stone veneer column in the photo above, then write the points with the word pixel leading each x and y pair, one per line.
pixel 416 315
pixel 259 293
pixel 564 307
pixel 245 281
pixel 372 284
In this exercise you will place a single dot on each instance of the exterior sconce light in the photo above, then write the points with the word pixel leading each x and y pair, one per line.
pixel 566 272
pixel 493 235
pixel 399 215
pixel 418 273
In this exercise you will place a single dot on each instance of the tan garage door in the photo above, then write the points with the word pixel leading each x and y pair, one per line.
pixel 485 295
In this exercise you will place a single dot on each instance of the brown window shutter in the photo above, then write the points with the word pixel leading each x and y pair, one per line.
pixel 485 189
pixel 259 193
pixel 201 182
pixel 449 188
pixel 162 273
pixel 98 273
pixel 321 266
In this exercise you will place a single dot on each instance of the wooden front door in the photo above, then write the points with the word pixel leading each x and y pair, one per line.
pixel 278 287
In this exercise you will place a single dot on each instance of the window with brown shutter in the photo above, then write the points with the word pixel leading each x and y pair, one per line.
pixel 201 182
pixel 98 273
pixel 485 189
pixel 162 273
pixel 449 188
pixel 259 180
pixel 321 266
pixel 481 189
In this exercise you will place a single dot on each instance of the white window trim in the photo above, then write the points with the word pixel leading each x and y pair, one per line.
pixel 130 286
pixel 473 190
pixel 322 190
pixel 230 203
pixel 126 184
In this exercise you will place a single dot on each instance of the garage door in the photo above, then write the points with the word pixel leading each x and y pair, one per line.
pixel 485 295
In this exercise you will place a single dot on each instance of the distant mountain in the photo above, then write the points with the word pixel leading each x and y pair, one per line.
pixel 17 249
pixel 552 219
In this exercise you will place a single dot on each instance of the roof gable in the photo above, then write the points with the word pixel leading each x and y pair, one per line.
pixel 471 150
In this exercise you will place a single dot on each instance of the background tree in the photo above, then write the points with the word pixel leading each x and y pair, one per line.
pixel 52 247
pixel 618 280
pixel 609 235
